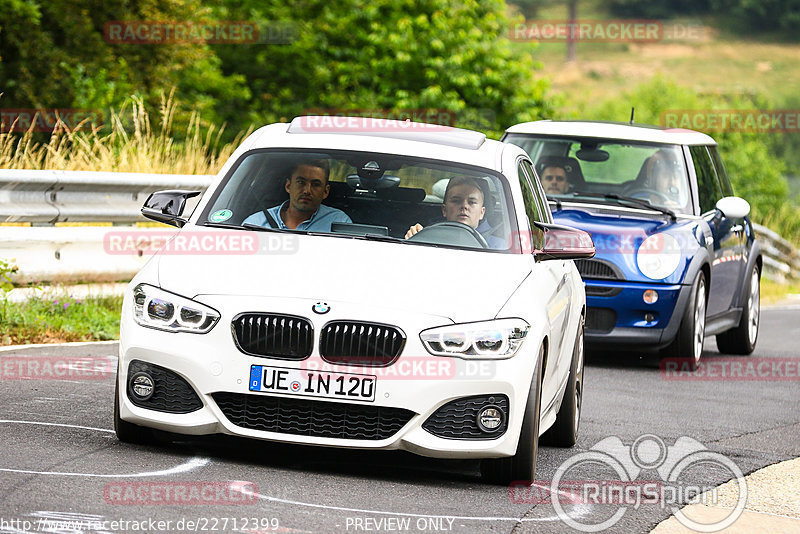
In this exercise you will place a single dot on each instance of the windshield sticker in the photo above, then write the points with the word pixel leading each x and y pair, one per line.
pixel 220 216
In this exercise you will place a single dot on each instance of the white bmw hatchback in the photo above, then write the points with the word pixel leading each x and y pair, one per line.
pixel 362 284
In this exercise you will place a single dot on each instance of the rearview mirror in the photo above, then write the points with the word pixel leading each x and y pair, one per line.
pixel 564 243
pixel 733 207
pixel 167 206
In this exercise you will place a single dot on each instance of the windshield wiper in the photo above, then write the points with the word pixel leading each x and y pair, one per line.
pixel 630 200
pixel 251 226
pixel 367 237
pixel 259 228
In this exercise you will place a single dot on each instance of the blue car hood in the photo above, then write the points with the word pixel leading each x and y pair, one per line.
pixel 618 235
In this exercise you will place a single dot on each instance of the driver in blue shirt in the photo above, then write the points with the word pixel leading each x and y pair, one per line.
pixel 307 186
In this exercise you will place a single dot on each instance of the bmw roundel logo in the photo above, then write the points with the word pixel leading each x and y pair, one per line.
pixel 321 308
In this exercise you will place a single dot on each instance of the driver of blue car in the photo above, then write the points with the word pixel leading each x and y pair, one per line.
pixel 464 200
pixel 307 185
pixel 664 174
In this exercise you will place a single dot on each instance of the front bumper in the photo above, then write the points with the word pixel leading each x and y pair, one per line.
pixel 619 320
pixel 211 364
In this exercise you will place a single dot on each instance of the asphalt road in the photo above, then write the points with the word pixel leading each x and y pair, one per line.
pixel 62 469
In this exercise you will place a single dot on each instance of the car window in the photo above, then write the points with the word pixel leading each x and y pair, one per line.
pixel 708 187
pixel 367 195
pixel 541 198
pixel 532 208
pixel 724 182
pixel 570 167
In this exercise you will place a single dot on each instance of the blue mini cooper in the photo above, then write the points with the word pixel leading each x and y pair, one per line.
pixel 676 256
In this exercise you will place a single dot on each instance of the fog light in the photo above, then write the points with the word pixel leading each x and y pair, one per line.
pixel 649 317
pixel 650 296
pixel 490 418
pixel 142 386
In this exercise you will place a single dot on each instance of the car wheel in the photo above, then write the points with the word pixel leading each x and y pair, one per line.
pixel 742 339
pixel 564 432
pixel 128 432
pixel 691 332
pixel 521 466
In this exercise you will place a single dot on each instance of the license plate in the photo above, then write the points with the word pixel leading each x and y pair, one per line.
pixel 305 383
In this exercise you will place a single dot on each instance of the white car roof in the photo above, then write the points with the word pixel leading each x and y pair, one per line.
pixel 383 136
pixel 614 130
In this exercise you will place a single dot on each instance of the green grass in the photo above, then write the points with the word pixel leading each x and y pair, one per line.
pixel 773 292
pixel 712 61
pixel 59 319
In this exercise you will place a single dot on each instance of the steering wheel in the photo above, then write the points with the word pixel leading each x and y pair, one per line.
pixel 448 227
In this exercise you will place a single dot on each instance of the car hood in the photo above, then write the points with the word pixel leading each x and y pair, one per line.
pixel 617 235
pixel 461 285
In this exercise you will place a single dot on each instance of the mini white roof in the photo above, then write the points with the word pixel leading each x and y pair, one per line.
pixel 384 136
pixel 614 130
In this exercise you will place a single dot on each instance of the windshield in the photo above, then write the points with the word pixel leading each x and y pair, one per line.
pixel 568 168
pixel 365 195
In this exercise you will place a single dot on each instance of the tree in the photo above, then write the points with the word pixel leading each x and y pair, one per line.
pixel 387 54
pixel 54 55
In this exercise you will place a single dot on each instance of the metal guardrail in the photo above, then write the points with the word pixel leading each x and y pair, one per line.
pixel 47 197
pixel 781 258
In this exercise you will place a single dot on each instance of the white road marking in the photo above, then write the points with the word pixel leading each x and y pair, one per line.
pixel 194 463
pixel 8 348
pixel 188 465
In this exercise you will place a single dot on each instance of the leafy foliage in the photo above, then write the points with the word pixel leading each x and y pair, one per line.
pixel 54 55
pixel 387 55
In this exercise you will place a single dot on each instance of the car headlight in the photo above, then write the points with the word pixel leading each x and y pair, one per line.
pixel 156 308
pixel 658 256
pixel 500 338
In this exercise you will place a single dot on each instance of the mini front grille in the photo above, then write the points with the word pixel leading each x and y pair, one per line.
pixel 171 393
pixel 600 320
pixel 458 419
pixel 359 343
pixel 272 335
pixel 602 291
pixel 598 269
pixel 312 417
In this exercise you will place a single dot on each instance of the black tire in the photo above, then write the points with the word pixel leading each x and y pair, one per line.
pixel 742 339
pixel 688 343
pixel 564 432
pixel 129 432
pixel 521 466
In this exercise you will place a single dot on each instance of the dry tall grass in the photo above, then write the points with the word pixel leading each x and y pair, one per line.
pixel 133 145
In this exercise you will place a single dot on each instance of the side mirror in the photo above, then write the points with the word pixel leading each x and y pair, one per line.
pixel 733 207
pixel 167 206
pixel 564 243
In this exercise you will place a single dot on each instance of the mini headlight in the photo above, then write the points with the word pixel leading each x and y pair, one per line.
pixel 163 310
pixel 658 256
pixel 496 339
